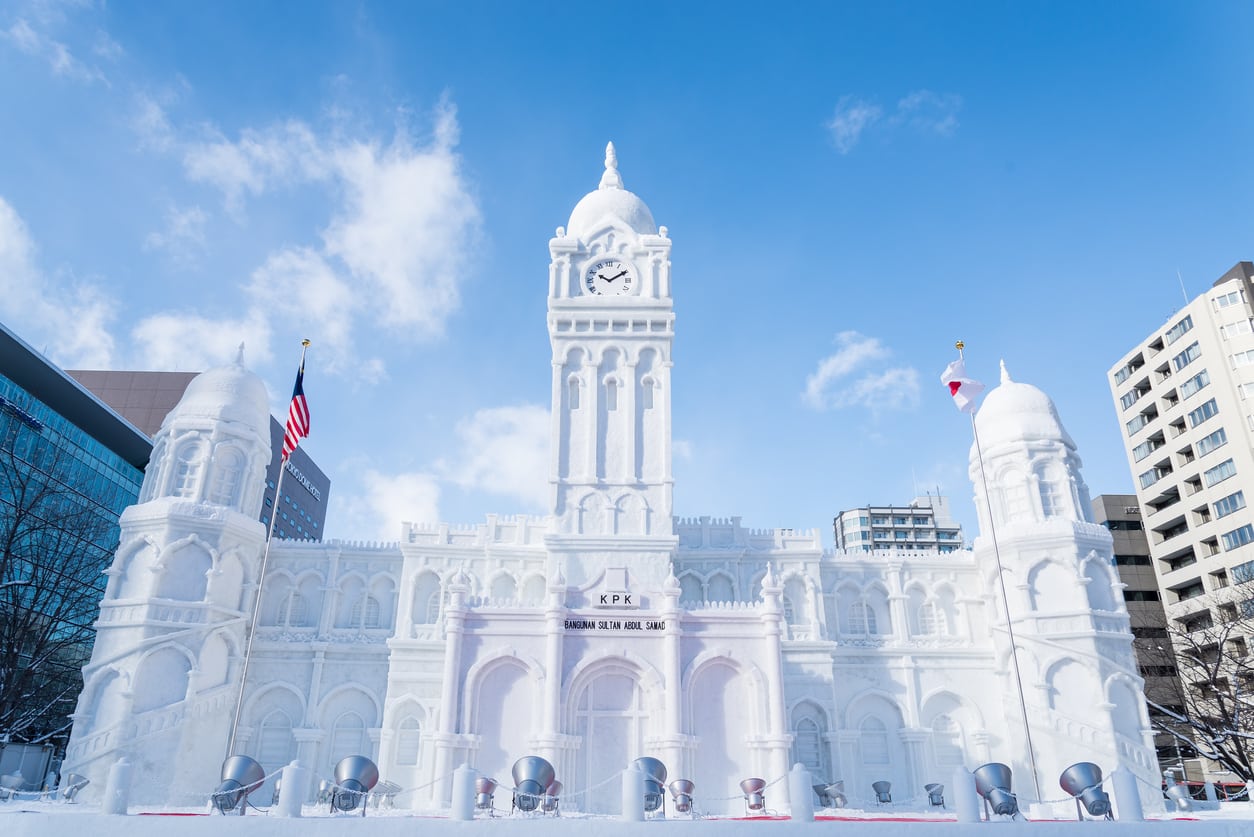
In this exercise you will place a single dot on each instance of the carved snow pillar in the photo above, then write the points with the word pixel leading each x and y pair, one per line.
pixel 672 726
pixel 554 638
pixel 446 737
pixel 777 740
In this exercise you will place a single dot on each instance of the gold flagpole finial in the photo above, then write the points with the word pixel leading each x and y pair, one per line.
pixel 305 343
pixel 960 346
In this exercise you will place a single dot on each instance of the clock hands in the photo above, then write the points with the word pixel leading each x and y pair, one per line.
pixel 611 278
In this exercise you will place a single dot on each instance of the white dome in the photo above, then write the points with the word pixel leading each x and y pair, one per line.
pixel 610 203
pixel 1015 412
pixel 227 393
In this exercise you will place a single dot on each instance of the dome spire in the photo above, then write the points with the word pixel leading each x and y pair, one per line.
pixel 611 179
pixel 239 356
pixel 1005 375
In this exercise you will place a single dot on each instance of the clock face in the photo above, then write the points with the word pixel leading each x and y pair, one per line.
pixel 609 277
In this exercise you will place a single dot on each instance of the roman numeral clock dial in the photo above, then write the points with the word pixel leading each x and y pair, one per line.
pixel 609 277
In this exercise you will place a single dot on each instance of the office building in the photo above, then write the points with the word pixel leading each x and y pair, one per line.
pixel 1155 656
pixel 69 465
pixel 923 524
pixel 145 398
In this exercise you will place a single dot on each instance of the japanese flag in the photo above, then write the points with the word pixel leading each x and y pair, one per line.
pixel 963 389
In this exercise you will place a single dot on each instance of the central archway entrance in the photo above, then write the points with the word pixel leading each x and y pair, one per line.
pixel 609 717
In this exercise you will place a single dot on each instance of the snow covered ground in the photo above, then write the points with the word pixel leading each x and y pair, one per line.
pixel 40 819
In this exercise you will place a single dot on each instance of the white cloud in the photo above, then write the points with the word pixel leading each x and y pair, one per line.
pixel 67 320
pixel 183 238
pixel 681 449
pixel 384 502
pixel 852 117
pixel 828 386
pixel 931 112
pixel 192 342
pixel 504 450
pixel 61 61
pixel 391 254
pixel 923 110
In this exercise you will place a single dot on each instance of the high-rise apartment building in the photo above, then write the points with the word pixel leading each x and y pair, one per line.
pixel 145 398
pixel 1184 401
pixel 923 524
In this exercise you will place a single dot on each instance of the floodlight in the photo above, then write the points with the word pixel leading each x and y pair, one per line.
pixel 354 777
pixel 551 797
pixel 240 776
pixel 1084 782
pixel 992 782
pixel 752 789
pixel 532 775
pixel 883 792
pixel 71 785
pixel 278 786
pixel 654 782
pixel 485 791
pixel 935 793
pixel 681 792
pixel 836 793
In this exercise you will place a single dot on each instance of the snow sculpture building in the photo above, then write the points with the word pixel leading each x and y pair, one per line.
pixel 609 629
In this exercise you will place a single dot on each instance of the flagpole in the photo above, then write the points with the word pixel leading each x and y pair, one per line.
pixel 265 559
pixel 1001 580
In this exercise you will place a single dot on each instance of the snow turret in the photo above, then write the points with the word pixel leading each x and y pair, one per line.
pixel 610 203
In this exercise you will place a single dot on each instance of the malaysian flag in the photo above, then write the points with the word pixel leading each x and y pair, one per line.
pixel 297 415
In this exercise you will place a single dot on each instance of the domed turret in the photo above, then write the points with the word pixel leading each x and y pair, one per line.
pixel 226 393
pixel 610 203
pixel 1015 412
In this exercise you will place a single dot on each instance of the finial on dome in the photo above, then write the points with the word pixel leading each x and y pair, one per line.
pixel 239 356
pixel 1005 376
pixel 611 179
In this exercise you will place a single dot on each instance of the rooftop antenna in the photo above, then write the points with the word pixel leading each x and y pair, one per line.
pixel 1183 292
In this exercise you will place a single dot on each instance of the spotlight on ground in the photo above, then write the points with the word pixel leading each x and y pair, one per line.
pixel 552 797
pixel 1084 782
pixel 992 782
pixel 654 782
pixel 883 792
pixel 681 792
pixel 485 792
pixel 71 785
pixel 532 775
pixel 935 793
pixel 752 789
pixel 240 776
pixel 354 777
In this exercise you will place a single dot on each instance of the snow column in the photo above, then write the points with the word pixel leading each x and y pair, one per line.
pixel 777 739
pixel 454 627
pixel 555 635
pixel 672 740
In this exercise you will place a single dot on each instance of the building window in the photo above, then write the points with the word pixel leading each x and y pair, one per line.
pixel 1238 537
pixel 1202 413
pixel 366 613
pixel 1178 330
pixel 1231 298
pixel 1229 504
pixel 1242 573
pixel 1132 560
pixel 1194 384
pixel 1220 472
pixel 408 741
pixel 1243 358
pixel 1236 329
pixel 1217 439
pixel 1186 357
pixel 861 619
pixel 187 471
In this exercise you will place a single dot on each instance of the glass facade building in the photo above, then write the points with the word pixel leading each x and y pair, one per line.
pixel 69 465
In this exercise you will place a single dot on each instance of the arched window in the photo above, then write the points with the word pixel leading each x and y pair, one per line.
pixel 408 741
pixel 294 611
pixel 808 747
pixel 187 471
pixel 611 393
pixel 227 467
pixel 572 386
pixel 366 612
pixel 426 601
pixel 930 621
pixel 690 589
pixel 348 738
pixel 646 392
pixel 861 619
pixel 719 589
pixel 504 588
pixel 274 744
pixel 873 736
pixel 1051 496
pixel 947 741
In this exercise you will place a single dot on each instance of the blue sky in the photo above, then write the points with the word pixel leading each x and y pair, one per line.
pixel 849 188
